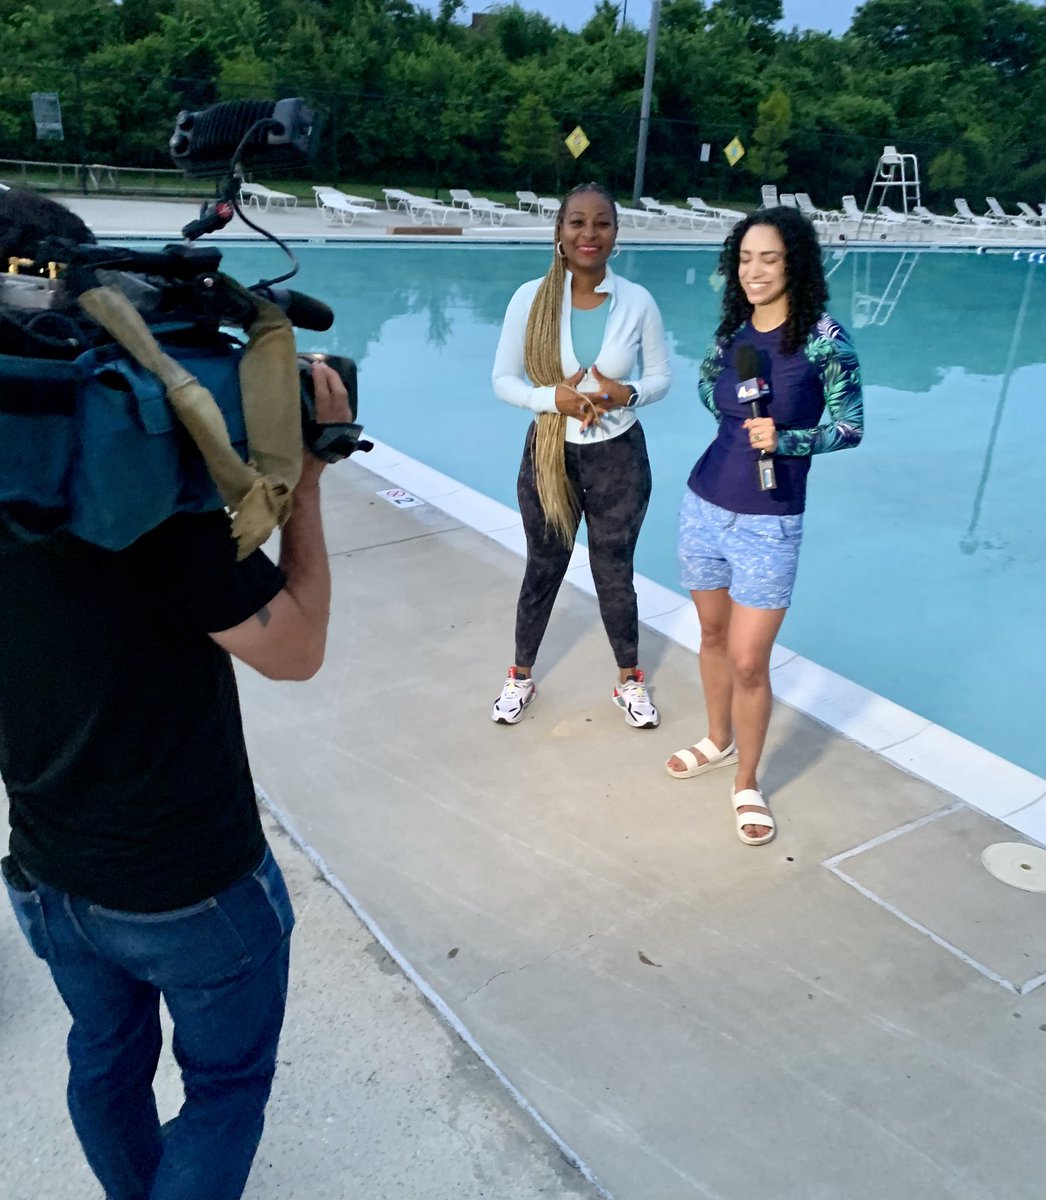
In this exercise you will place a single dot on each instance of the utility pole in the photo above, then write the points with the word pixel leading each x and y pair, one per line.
pixel 648 87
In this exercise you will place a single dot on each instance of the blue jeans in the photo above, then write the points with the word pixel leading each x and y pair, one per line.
pixel 221 967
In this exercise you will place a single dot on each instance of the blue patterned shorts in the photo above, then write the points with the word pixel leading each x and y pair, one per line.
pixel 755 556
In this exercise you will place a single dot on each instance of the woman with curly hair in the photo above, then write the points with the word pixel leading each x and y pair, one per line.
pixel 739 541
pixel 569 351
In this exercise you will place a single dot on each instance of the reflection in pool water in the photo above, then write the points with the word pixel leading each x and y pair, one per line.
pixel 923 574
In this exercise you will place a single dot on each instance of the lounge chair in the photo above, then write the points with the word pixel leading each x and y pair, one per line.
pixel 480 209
pixel 854 214
pixel 891 216
pixel 424 211
pixel 995 209
pixel 822 216
pixel 787 200
pixel 528 201
pixel 337 206
pixel 460 197
pixel 768 196
pixel 548 206
pixel 420 209
pixel 638 218
pixel 963 210
pixel 262 197
pixel 362 201
pixel 397 198
pixel 726 216
pixel 946 224
pixel 850 210
pixel 1030 214
pixel 659 211
pixel 673 214
pixel 676 214
pixel 652 205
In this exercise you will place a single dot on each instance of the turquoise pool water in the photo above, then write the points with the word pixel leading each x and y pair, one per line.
pixel 923 575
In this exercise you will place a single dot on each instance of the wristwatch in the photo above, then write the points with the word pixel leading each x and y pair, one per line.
pixel 633 398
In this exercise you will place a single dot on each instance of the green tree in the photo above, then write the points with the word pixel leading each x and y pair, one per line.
pixel 244 76
pixel 767 158
pixel 682 17
pixel 914 31
pixel 521 34
pixel 532 139
pixel 759 12
pixel 602 24
pixel 947 172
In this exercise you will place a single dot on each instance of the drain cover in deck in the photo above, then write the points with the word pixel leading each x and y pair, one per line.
pixel 1018 864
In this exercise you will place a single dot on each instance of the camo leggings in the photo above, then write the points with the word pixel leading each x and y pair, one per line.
pixel 611 480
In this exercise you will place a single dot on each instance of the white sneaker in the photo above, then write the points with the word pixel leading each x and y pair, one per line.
pixel 640 711
pixel 515 696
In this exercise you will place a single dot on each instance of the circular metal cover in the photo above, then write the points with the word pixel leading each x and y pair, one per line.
pixel 1018 864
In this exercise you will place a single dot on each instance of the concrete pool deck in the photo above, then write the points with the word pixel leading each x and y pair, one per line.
pixel 165 218
pixel 854 1012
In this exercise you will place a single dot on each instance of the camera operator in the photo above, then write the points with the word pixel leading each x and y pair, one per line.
pixel 138 865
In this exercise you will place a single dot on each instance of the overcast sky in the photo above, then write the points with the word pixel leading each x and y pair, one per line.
pixel 833 16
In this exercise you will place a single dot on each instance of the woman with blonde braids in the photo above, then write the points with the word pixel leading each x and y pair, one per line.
pixel 569 351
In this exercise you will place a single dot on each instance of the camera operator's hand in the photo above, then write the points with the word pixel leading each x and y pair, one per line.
pixel 332 407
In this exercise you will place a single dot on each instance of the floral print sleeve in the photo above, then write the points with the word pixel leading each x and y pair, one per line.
pixel 829 348
pixel 711 369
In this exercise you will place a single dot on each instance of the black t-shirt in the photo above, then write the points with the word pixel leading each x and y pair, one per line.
pixel 121 745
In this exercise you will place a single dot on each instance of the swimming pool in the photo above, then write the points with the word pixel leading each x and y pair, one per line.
pixel 923 575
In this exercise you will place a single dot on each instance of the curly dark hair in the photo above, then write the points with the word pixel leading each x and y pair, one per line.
pixel 27 218
pixel 804 276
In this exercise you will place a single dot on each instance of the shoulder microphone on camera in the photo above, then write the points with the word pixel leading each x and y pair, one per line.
pixel 271 133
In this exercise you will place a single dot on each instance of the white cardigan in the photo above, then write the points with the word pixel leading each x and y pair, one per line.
pixel 634 331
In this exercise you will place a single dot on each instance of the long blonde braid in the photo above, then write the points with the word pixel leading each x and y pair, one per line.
pixel 543 361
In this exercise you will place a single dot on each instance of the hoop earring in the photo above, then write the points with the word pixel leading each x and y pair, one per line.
pixel 615 252
pixel 559 249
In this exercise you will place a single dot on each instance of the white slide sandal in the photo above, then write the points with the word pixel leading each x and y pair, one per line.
pixel 764 820
pixel 715 757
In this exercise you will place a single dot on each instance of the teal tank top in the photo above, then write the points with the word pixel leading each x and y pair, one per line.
pixel 587 326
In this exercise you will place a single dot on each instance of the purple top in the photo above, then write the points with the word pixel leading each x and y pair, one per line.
pixel 823 373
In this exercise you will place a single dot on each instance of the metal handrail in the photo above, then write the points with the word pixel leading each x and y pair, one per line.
pixel 100 177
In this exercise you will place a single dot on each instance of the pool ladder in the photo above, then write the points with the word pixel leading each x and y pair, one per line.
pixel 871 308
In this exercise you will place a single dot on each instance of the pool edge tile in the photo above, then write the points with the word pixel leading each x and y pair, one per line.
pixel 859 714
pixel 680 625
pixel 1031 821
pixel 655 599
pixel 987 782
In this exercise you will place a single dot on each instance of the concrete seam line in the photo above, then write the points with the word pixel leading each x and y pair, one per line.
pixel 1027 988
pixel 987 972
pixel 882 838
pixel 444 1010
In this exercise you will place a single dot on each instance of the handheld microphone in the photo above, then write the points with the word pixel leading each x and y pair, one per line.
pixel 751 390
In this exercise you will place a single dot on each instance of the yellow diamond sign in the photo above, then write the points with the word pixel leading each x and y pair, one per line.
pixel 734 152
pixel 577 142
